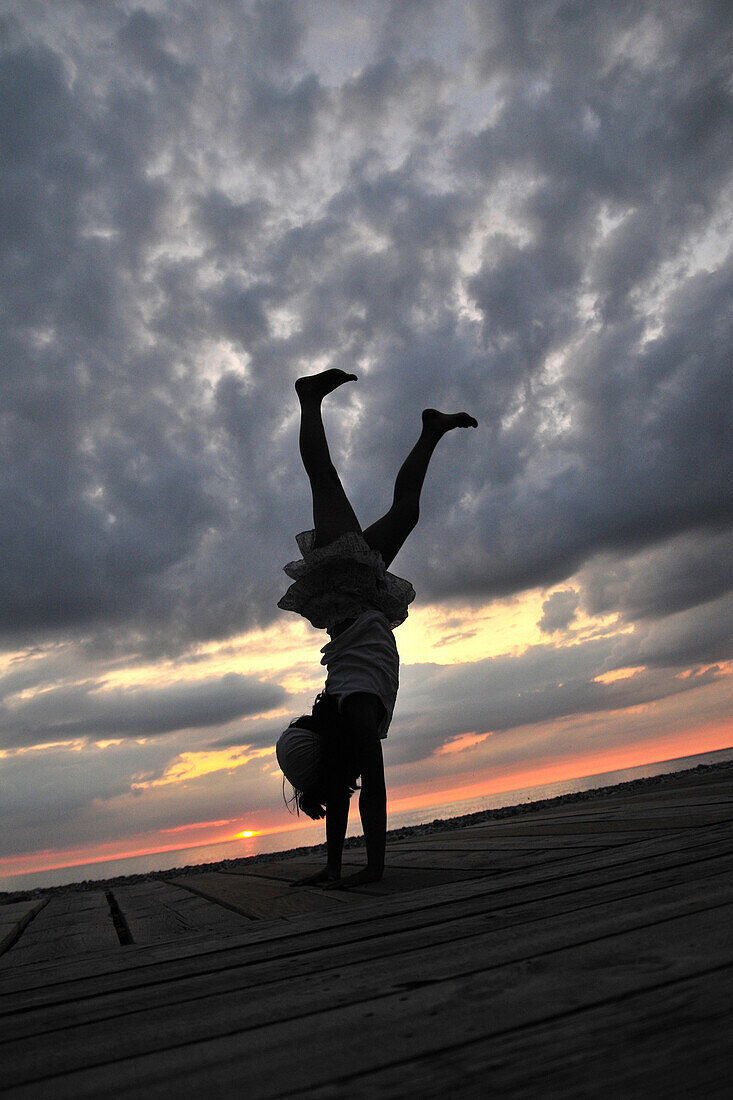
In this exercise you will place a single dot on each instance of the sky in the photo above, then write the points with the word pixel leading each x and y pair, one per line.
pixel 518 209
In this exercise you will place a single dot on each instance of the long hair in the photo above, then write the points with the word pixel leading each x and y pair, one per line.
pixel 339 768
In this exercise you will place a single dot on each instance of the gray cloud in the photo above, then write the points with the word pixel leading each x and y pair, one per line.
pixel 545 683
pixel 67 784
pixel 159 282
pixel 521 210
pixel 558 611
pixel 690 570
pixel 90 711
pixel 699 635
pixel 87 793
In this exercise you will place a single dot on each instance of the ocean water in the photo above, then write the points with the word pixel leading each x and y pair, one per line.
pixel 309 834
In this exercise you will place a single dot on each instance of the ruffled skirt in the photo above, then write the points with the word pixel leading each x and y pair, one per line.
pixel 342 581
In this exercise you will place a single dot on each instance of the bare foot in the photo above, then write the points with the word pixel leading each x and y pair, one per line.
pixel 326 875
pixel 440 423
pixel 318 385
pixel 359 878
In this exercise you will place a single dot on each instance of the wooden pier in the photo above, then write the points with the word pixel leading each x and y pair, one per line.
pixel 578 950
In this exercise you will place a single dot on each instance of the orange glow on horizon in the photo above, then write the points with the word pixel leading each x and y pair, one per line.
pixel 709 738
pixel 48 860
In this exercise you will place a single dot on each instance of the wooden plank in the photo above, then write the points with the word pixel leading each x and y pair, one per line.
pixel 238 974
pixel 536 843
pixel 677 792
pixel 556 833
pixel 653 850
pixel 612 802
pixel 583 827
pixel 584 835
pixel 69 925
pixel 478 860
pixel 135 966
pixel 519 930
pixel 21 911
pixel 682 786
pixel 683 807
pixel 484 860
pixel 14 917
pixel 302 869
pixel 401 879
pixel 257 898
pixel 283 870
pixel 587 825
pixel 158 910
pixel 653 801
pixel 673 1041
pixel 397 878
pixel 406 1013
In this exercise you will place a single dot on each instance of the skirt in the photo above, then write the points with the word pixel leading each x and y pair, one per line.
pixel 342 581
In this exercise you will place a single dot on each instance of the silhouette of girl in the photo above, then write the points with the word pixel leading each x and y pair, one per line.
pixel 341 585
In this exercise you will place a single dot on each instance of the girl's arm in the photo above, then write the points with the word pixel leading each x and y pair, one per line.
pixel 337 817
pixel 362 714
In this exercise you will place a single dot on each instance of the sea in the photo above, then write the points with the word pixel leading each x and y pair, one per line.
pixel 308 834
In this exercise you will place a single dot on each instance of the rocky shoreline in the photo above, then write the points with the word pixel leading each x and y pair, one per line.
pixel 438 825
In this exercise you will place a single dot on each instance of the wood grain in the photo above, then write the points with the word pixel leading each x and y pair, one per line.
pixel 578 951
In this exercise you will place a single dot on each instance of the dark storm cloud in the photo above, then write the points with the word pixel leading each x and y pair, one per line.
pixel 231 226
pixel 517 209
pixel 143 39
pixel 693 569
pixel 85 711
pixel 102 487
pixel 257 736
pixel 700 635
pixel 645 456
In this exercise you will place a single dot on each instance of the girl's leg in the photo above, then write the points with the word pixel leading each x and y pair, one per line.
pixel 389 533
pixel 332 513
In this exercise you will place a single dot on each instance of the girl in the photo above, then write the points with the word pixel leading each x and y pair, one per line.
pixel 341 585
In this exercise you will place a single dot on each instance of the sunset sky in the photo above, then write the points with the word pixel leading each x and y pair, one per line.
pixel 518 209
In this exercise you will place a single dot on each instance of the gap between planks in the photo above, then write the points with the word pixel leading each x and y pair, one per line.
pixel 131 965
pixel 409 1016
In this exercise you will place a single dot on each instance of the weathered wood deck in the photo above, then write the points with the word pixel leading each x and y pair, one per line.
pixel 584 950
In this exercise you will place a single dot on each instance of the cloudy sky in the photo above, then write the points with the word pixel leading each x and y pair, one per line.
pixel 520 209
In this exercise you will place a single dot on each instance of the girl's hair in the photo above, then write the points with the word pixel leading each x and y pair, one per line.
pixel 339 769
pixel 309 803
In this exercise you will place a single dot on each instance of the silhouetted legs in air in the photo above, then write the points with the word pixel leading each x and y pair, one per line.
pixel 333 516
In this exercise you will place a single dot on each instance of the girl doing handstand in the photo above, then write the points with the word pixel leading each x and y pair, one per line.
pixel 341 585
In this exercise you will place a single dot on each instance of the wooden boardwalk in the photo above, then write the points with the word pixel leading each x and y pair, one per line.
pixel 582 950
